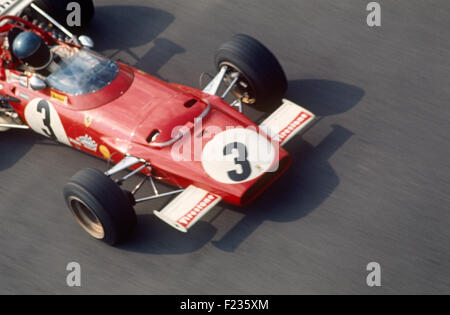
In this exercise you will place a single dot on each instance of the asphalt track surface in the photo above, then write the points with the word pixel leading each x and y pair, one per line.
pixel 370 182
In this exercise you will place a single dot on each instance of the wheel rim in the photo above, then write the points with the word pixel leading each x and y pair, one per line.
pixel 5 120
pixel 88 220
pixel 243 89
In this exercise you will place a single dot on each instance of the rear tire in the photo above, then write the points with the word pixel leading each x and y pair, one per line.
pixel 58 10
pixel 100 206
pixel 263 81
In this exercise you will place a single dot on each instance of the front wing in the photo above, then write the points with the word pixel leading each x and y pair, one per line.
pixel 287 121
pixel 188 208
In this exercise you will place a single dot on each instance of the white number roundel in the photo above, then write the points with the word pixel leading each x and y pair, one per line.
pixel 238 155
pixel 43 118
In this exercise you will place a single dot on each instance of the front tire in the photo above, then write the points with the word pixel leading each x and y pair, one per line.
pixel 262 79
pixel 100 206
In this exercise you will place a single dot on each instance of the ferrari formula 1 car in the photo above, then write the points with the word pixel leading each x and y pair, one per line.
pixel 188 138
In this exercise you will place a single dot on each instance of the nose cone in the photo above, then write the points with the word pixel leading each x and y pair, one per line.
pixel 238 155
pixel 165 118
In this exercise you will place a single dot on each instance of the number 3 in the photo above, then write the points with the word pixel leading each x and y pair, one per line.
pixel 43 105
pixel 240 160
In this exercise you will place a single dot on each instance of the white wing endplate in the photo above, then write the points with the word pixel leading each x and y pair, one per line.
pixel 287 121
pixel 188 208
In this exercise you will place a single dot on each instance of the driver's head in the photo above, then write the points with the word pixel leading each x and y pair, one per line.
pixel 31 49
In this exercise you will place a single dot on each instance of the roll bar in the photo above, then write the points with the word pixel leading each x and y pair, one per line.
pixel 48 38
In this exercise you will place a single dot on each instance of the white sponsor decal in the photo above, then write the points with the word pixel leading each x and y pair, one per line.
pixel 297 122
pixel 77 143
pixel 23 81
pixel 192 214
pixel 12 77
pixel 88 143
pixel 43 118
pixel 23 95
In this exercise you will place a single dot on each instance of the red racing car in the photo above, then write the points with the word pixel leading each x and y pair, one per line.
pixel 191 139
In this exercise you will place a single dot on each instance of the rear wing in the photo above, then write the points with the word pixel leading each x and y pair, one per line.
pixel 13 7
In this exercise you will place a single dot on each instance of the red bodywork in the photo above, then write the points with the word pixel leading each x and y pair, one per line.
pixel 121 117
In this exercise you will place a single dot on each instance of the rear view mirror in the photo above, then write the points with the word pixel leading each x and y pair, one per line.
pixel 86 41
pixel 37 84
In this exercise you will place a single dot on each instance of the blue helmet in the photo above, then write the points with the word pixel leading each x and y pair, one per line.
pixel 31 50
